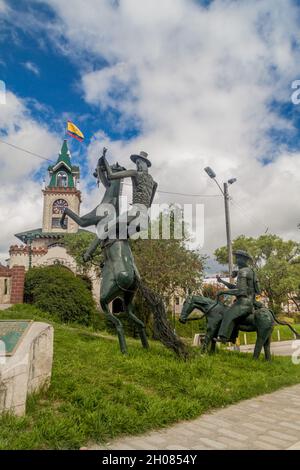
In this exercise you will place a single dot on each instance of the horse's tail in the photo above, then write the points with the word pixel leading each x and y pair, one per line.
pixel 285 323
pixel 162 327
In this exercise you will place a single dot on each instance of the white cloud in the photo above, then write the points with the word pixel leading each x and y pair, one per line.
pixel 31 67
pixel 198 82
pixel 20 195
pixel 3 6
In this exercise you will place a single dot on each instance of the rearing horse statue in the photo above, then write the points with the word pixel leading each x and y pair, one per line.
pixel 120 276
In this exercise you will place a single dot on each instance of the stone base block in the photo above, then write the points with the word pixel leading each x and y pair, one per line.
pixel 28 370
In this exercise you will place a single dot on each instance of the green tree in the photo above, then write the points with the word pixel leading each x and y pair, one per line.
pixel 280 281
pixel 277 262
pixel 76 244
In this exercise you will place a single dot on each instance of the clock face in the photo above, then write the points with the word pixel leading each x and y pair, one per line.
pixel 58 206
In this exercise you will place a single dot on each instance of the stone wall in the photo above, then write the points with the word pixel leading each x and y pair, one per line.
pixel 56 254
pixel 28 370
pixel 19 255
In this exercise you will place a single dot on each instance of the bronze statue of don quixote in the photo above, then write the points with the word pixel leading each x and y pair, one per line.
pixel 120 276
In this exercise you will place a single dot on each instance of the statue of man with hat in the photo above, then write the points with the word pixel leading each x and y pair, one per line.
pixel 245 291
pixel 143 192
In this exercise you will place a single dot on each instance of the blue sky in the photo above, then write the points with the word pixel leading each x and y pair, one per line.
pixel 194 83
pixel 35 69
pixel 56 83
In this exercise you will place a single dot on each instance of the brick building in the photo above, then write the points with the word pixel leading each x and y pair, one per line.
pixel 12 284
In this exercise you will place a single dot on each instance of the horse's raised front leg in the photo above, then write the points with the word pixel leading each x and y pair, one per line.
pixel 128 298
pixel 91 249
pixel 85 221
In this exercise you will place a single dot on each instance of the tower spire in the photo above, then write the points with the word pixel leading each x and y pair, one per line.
pixel 63 173
pixel 64 154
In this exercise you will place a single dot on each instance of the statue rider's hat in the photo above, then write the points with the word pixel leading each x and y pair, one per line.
pixel 243 253
pixel 142 156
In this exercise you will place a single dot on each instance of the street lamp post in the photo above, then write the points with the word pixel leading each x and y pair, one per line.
pixel 29 244
pixel 225 193
pixel 228 230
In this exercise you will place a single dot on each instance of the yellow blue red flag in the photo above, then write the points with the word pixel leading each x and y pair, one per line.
pixel 73 131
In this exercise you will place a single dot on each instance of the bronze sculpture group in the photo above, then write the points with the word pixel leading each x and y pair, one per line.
pixel 120 276
pixel 121 279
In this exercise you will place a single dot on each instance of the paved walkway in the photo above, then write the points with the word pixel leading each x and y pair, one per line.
pixel 270 422
pixel 278 348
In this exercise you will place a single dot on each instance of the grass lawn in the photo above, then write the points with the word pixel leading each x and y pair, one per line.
pixel 97 394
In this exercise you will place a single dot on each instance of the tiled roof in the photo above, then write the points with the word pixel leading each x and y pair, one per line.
pixel 38 233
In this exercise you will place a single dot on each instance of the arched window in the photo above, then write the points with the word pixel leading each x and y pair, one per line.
pixel 57 210
pixel 62 179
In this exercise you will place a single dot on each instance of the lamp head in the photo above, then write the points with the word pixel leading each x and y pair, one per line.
pixel 210 172
pixel 232 180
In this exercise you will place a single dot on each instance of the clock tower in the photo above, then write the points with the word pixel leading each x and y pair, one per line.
pixel 61 192
pixel 44 246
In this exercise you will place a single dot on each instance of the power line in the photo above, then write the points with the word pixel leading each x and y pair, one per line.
pixel 193 195
pixel 159 191
pixel 182 194
pixel 248 216
pixel 26 151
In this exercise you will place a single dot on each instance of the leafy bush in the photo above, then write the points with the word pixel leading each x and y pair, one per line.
pixel 211 290
pixel 58 291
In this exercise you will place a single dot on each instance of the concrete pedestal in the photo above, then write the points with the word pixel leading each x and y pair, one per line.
pixel 28 370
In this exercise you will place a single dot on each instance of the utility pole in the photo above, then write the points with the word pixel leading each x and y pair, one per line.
pixel 228 230
pixel 225 193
